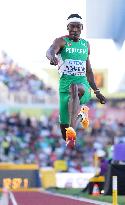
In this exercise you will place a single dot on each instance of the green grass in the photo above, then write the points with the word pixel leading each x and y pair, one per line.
pixel 79 193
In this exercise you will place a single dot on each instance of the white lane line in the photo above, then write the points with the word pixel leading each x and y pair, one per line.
pixel 12 198
pixel 76 198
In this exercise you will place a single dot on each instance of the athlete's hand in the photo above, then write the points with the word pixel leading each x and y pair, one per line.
pixel 101 98
pixel 54 61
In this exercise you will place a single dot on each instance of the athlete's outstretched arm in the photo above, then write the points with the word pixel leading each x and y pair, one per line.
pixel 90 78
pixel 54 49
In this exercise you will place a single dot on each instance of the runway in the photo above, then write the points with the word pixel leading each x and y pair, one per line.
pixel 38 198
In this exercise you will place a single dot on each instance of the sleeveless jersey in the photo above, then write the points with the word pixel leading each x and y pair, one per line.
pixel 72 58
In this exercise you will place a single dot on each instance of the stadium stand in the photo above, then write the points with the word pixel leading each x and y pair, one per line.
pixel 29 140
pixel 21 86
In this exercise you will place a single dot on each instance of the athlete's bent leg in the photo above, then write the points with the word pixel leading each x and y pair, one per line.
pixel 76 92
pixel 69 108
pixel 69 103
pixel 73 104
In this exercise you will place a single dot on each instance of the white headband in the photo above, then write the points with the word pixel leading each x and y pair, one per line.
pixel 74 19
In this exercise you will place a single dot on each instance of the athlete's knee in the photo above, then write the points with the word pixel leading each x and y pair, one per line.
pixel 74 91
pixel 63 130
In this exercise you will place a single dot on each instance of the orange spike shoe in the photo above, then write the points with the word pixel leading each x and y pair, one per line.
pixel 83 114
pixel 70 137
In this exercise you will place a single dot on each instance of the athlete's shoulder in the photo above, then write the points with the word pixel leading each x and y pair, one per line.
pixel 84 40
pixel 59 41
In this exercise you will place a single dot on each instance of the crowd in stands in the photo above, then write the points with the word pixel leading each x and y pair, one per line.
pixel 30 140
pixel 19 80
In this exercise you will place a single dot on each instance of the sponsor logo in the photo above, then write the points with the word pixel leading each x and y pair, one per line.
pixel 76 50
pixel 69 44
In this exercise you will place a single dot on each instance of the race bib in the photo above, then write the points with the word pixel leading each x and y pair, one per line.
pixel 74 67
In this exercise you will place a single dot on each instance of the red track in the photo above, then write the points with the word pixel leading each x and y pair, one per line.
pixel 38 198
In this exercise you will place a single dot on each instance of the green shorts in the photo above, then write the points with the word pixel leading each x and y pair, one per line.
pixel 64 85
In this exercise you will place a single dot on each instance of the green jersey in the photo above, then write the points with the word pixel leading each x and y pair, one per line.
pixel 72 58
pixel 72 69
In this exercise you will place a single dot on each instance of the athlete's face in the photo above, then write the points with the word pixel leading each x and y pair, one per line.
pixel 75 29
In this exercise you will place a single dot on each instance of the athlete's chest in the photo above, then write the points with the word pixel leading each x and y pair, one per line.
pixel 75 50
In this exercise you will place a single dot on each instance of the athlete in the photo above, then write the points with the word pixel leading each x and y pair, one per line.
pixel 71 54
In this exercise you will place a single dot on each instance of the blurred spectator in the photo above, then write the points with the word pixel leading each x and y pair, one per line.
pixel 21 83
pixel 103 162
